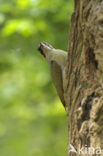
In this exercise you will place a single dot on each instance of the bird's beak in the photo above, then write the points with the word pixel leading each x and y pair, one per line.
pixel 40 49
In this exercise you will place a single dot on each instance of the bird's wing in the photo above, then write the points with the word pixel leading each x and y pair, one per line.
pixel 56 74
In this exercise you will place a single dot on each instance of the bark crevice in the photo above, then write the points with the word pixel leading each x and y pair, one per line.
pixel 84 95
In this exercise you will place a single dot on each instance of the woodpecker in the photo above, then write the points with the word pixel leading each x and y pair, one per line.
pixel 57 61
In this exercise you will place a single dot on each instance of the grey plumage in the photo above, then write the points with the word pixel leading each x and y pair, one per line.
pixel 57 78
pixel 57 60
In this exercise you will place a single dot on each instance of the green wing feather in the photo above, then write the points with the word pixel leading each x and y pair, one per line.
pixel 56 74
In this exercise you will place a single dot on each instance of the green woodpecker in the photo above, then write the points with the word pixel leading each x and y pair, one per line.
pixel 57 61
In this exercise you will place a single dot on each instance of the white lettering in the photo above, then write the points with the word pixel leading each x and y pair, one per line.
pixel 80 150
pixel 98 150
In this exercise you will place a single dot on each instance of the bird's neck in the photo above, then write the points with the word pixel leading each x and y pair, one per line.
pixel 57 57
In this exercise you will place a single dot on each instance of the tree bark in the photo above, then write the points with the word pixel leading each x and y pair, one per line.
pixel 84 94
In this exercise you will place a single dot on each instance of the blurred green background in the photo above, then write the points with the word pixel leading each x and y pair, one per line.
pixel 32 119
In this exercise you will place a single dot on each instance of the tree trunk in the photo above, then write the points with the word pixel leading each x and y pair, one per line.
pixel 84 94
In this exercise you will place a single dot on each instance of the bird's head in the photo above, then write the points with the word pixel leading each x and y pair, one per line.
pixel 44 48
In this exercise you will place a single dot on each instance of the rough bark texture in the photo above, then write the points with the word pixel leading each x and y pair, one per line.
pixel 85 75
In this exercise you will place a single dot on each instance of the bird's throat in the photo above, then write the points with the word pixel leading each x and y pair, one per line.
pixel 42 53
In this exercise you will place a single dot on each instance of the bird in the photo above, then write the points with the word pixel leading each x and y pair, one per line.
pixel 57 62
